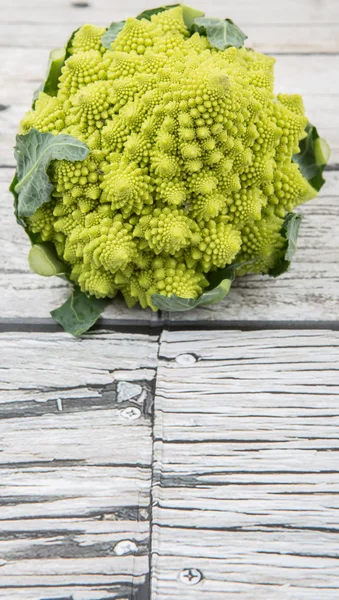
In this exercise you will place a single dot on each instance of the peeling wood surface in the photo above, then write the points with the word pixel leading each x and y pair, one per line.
pixel 241 455
pixel 75 459
pixel 245 478
pixel 234 469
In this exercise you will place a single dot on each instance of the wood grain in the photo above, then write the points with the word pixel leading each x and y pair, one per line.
pixel 288 12
pixel 273 38
pixel 245 465
pixel 73 484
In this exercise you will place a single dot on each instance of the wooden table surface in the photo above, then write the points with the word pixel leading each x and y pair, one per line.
pixel 174 457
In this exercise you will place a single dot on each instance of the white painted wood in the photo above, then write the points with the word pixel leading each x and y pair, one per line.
pixel 100 11
pixel 245 465
pixel 301 38
pixel 73 484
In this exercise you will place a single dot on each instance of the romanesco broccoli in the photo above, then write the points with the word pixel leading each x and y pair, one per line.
pixel 189 166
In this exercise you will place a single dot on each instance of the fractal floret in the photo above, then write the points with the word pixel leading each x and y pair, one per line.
pixel 159 160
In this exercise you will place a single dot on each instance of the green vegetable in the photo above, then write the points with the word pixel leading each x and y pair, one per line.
pixel 157 163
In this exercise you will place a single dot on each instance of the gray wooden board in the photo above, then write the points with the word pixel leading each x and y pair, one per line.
pixel 75 462
pixel 303 38
pixel 245 475
pixel 288 12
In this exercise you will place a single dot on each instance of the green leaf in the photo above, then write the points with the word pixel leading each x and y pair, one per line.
pixel 313 157
pixel 12 187
pixel 290 231
pixel 220 284
pixel 220 33
pixel 33 152
pixel 34 237
pixel 43 260
pixel 111 33
pixel 217 276
pixel 79 312
pixel 188 13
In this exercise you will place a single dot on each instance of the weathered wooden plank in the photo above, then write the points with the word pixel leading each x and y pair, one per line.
pixel 248 580
pixel 245 465
pixel 301 38
pixel 308 291
pixel 64 593
pixel 75 491
pixel 47 590
pixel 59 11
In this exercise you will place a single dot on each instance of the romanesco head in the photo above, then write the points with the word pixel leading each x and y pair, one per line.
pixel 190 163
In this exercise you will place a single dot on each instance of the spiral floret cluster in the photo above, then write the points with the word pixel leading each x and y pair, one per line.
pixel 190 163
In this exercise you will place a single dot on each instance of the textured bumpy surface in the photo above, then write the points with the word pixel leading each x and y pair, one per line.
pixel 190 164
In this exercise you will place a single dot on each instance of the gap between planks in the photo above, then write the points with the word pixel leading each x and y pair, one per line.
pixel 245 465
pixel 163 323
